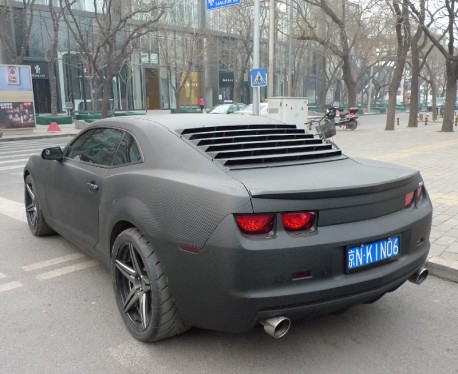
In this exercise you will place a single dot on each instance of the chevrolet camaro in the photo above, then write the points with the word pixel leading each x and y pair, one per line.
pixel 229 222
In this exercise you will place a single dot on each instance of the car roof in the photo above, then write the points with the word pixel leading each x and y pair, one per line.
pixel 183 121
pixel 235 142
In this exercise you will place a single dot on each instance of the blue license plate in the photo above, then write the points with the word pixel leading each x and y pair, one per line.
pixel 368 255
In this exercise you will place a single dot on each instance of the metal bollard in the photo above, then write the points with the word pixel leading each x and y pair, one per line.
pixel 426 121
pixel 397 121
pixel 456 121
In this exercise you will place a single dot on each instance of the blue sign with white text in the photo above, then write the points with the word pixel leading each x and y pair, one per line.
pixel 258 77
pixel 214 4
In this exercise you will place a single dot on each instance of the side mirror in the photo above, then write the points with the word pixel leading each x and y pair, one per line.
pixel 53 153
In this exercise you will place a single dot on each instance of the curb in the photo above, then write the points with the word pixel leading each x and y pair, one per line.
pixel 443 268
pixel 29 137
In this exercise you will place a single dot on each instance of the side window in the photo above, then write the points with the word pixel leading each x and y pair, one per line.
pixel 128 151
pixel 97 146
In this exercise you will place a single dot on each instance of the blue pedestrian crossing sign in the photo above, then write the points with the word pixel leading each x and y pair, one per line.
pixel 258 77
pixel 215 4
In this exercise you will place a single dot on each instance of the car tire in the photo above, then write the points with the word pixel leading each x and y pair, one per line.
pixel 33 212
pixel 141 289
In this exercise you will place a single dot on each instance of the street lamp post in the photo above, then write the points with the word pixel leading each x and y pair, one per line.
pixel 369 95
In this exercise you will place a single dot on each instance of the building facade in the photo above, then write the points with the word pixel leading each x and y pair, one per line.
pixel 189 42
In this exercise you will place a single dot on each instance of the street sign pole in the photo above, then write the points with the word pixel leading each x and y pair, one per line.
pixel 256 90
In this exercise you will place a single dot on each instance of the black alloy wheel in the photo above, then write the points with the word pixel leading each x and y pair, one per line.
pixel 35 219
pixel 141 289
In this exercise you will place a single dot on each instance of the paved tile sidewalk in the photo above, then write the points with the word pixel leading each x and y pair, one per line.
pixel 425 148
pixel 435 154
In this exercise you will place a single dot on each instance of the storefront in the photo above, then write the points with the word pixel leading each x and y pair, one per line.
pixel 226 86
pixel 41 86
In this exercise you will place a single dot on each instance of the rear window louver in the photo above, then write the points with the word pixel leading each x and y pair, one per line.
pixel 244 146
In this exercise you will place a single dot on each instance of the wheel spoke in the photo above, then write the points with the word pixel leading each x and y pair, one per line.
pixel 125 270
pixel 146 283
pixel 33 218
pixel 131 300
pixel 30 192
pixel 143 310
pixel 31 208
pixel 135 261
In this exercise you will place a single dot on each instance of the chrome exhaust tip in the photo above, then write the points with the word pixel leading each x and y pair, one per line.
pixel 277 327
pixel 419 276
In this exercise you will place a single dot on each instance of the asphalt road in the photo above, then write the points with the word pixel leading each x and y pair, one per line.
pixel 58 315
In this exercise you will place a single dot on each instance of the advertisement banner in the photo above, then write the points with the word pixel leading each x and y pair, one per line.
pixel 16 115
pixel 16 97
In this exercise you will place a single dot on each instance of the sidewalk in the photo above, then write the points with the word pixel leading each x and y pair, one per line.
pixel 432 152
pixel 425 148
pixel 39 132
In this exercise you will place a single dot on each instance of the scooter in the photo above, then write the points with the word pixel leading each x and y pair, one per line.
pixel 326 126
pixel 348 119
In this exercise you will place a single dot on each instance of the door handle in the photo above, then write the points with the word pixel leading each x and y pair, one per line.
pixel 92 187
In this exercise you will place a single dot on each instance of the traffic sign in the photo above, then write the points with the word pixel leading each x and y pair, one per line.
pixel 258 77
pixel 214 4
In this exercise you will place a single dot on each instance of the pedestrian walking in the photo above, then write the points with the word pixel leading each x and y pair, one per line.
pixel 201 104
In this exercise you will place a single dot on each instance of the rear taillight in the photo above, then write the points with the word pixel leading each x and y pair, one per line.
pixel 419 193
pixel 414 196
pixel 298 221
pixel 255 223
pixel 408 200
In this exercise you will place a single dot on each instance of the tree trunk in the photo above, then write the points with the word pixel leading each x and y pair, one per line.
pixel 53 85
pixel 392 92
pixel 238 85
pixel 404 41
pixel 414 82
pixel 450 96
pixel 349 81
pixel 177 98
pixel 106 95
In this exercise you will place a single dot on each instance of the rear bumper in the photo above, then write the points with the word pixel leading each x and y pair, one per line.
pixel 235 281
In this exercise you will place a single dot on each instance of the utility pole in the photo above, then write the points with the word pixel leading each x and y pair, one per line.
pixel 256 38
pixel 369 95
pixel 270 76
pixel 290 51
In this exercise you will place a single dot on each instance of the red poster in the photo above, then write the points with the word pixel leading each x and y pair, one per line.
pixel 16 115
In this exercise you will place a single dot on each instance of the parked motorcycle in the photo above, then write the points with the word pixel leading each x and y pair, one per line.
pixel 347 119
pixel 326 126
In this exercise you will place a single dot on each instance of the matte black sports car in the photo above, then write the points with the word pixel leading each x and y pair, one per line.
pixel 227 222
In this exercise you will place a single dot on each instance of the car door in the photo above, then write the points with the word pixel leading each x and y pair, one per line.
pixel 76 184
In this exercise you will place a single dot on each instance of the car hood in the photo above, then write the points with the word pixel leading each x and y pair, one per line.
pixel 338 178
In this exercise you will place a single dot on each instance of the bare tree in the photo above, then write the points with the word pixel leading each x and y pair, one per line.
pixel 181 52
pixel 51 54
pixel 432 21
pixel 111 37
pixel 416 46
pixel 403 39
pixel 339 28
pixel 11 17
pixel 237 51
pixel 420 50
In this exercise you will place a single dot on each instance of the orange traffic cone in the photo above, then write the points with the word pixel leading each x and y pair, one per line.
pixel 54 127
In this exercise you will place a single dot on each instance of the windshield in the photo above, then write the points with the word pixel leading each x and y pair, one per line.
pixel 249 108
pixel 219 109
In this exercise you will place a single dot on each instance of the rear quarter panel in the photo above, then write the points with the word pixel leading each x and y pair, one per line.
pixel 176 195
